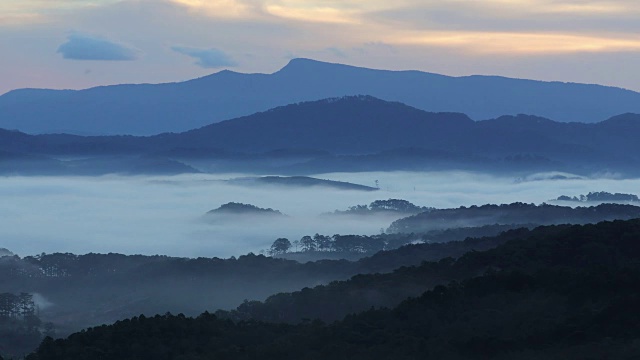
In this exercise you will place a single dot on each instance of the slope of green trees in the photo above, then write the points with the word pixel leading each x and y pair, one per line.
pixel 319 246
pixel 556 292
pixel 21 330
pixel 94 289
pixel 514 213
pixel 384 206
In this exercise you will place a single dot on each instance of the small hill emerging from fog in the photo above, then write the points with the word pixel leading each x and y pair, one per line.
pixel 299 181
pixel 148 109
pixel 234 208
pixel 515 213
pixel 390 206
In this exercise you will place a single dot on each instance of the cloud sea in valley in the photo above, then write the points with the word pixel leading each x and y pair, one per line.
pixel 166 215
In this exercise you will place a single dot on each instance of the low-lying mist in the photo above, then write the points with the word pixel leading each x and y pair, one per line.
pixel 166 215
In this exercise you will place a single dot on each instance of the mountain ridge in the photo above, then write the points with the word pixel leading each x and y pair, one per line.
pixel 147 109
pixel 366 133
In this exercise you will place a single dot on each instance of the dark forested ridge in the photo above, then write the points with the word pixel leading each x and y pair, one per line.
pixel 93 289
pixel 601 196
pixel 21 330
pixel 354 247
pixel 358 133
pixel 515 213
pixel 86 290
pixel 514 250
pixel 147 109
pixel 556 292
pixel 394 206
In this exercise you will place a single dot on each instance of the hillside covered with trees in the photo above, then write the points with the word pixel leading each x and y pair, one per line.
pixel 21 330
pixel 354 133
pixel 514 213
pixel 554 293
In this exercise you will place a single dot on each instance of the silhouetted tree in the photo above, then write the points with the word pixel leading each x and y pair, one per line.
pixel 280 246
pixel 307 243
pixel 322 242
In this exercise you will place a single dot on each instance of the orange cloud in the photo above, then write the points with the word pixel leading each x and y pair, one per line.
pixel 219 8
pixel 518 43
pixel 313 14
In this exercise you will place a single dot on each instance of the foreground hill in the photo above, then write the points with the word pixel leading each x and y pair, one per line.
pixel 173 107
pixel 96 288
pixel 360 133
pixel 555 293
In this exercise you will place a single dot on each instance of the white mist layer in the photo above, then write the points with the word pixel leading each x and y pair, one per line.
pixel 164 215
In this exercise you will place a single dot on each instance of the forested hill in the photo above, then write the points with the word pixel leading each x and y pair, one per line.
pixel 148 109
pixel 101 288
pixel 362 133
pixel 234 208
pixel 554 293
pixel 515 213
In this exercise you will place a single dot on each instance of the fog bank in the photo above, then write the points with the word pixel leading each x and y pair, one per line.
pixel 164 215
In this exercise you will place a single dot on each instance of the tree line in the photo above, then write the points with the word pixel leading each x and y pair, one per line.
pixel 370 244
pixel 364 244
pixel 20 326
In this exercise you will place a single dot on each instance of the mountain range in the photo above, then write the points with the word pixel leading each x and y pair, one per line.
pixel 147 109
pixel 359 133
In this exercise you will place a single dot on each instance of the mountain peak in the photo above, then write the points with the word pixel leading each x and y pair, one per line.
pixel 297 62
pixel 305 65
pixel 176 107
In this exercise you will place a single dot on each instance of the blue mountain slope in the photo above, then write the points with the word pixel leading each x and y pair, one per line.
pixel 174 107
pixel 362 133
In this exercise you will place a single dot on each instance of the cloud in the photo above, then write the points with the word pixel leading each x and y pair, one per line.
pixel 518 43
pixel 592 41
pixel 319 14
pixel 207 58
pixel 498 15
pixel 85 47
pixel 226 9
pixel 163 215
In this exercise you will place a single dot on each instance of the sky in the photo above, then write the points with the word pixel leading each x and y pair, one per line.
pixel 74 44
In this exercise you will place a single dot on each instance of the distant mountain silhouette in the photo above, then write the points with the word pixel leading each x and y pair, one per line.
pixel 147 109
pixel 299 181
pixel 362 133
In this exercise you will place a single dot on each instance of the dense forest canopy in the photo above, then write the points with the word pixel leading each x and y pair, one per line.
pixel 21 329
pixel 514 213
pixel 601 196
pixel 350 134
pixel 384 206
pixel 555 292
